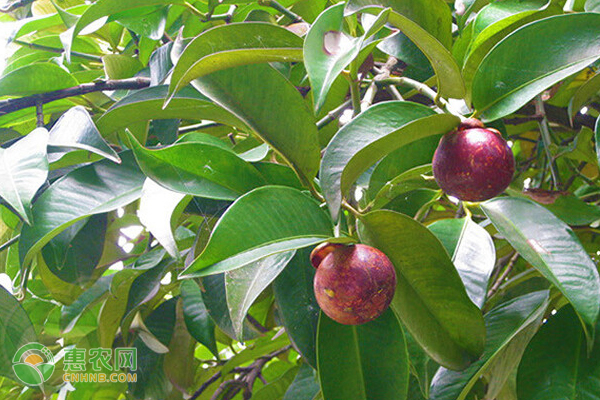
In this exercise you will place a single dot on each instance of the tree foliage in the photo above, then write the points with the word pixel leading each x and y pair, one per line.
pixel 166 167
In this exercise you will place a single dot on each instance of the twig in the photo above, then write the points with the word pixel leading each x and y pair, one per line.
pixel 15 5
pixel 275 5
pixel 39 112
pixel 205 385
pixel 9 243
pixel 354 91
pixel 333 114
pixel 36 46
pixel 256 324
pixel 369 96
pixel 504 275
pixel 10 105
pixel 547 140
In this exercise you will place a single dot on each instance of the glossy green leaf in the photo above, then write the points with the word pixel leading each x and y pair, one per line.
pixel 305 386
pixel 553 249
pixel 260 347
pixel 113 186
pixel 75 252
pixel 369 137
pixel 197 169
pixel 255 93
pixel 277 388
pixel 432 15
pixel 510 326
pixel 244 285
pixel 196 316
pixel 147 104
pixel 23 170
pixel 157 207
pixel 543 61
pixel 328 50
pixel 496 21
pixel 368 361
pixel 118 66
pixel 574 211
pixel 233 45
pixel 263 222
pixel 413 179
pixel 430 297
pixel 70 314
pixel 34 79
pixel 558 354
pixel 215 300
pixel 583 94
pixel 472 251
pixel 76 130
pixel 16 328
pixel 295 297
pixel 449 79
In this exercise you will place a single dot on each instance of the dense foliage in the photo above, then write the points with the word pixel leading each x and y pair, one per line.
pixel 167 166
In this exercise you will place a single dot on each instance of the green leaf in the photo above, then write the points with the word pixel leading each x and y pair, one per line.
pixel 264 345
pixel 265 221
pixel 34 79
pixel 574 211
pixel 449 79
pixel 76 130
pixel 23 170
pixel 328 50
pixel 472 251
pixel 70 314
pixel 197 320
pixel 147 104
pixel 510 326
pixel 413 179
pixel 16 328
pixel 430 297
pixel 277 388
pixel 244 285
pixel 255 93
pixel 362 362
pixel 432 15
pixel 112 185
pixel 157 208
pixel 305 386
pixel 496 21
pixel 544 61
pixel 118 66
pixel 557 354
pixel 583 94
pixel 552 248
pixel 295 297
pixel 233 45
pixel 197 169
pixel 369 137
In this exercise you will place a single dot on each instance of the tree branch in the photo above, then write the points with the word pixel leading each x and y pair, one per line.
pixel 275 5
pixel 58 51
pixel 10 105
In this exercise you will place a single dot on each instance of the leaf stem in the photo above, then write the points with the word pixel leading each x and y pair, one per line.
pixel 9 243
pixel 275 5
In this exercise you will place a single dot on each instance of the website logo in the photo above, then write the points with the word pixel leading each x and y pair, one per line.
pixel 33 364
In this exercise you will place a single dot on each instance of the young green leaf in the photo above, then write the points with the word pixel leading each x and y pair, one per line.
pixel 35 78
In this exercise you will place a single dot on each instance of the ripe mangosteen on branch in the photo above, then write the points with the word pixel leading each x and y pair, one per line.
pixel 353 284
pixel 473 163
